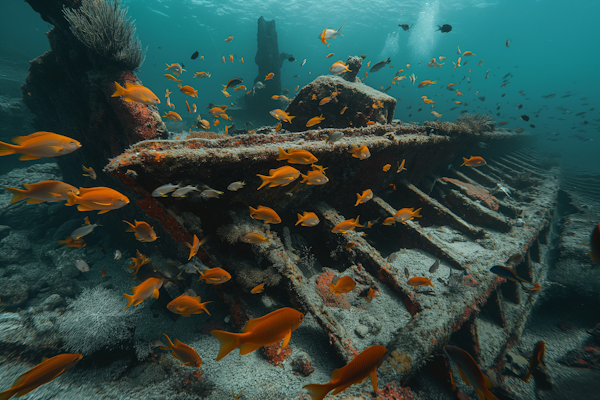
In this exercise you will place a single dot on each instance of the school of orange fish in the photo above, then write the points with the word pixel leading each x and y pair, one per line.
pixel 278 325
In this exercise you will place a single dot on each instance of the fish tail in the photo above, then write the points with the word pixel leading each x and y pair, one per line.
pixel 119 90
pixel 131 228
pixel 318 392
pixel 265 181
pixel 340 28
pixel 130 300
pixel 169 345
pixel 331 288
pixel 416 213
pixel 6 149
pixel 203 306
pixel 7 394
pixel 300 219
pixel 282 154
pixel 228 341
pixel 71 199
pixel 466 160
pixel 18 194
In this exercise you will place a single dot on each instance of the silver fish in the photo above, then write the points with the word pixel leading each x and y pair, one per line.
pixel 334 137
pixel 82 265
pixel 183 191
pixel 434 267
pixel 210 193
pixel 164 190
pixel 82 231
pixel 236 186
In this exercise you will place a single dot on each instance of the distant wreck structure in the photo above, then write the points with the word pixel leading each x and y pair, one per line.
pixel 269 60
pixel 344 99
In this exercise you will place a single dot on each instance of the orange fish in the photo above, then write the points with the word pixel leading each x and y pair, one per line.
pixel 537 359
pixel 371 294
pixel 90 172
pixel 148 288
pixel 195 246
pixel 39 145
pixel 281 176
pixel 329 55
pixel 389 221
pixel 347 225
pixel 169 77
pixel 176 68
pixel 392 187
pixel 143 231
pixel 41 374
pixel 387 167
pixel 364 197
pixel 315 121
pixel 254 238
pixel 350 245
pixel 133 93
pixel 270 75
pixel 231 58
pixel 344 284
pixel 214 276
pixel 184 353
pixel 186 305
pixel 173 116
pixel 190 91
pixel 223 59
pixel 229 39
pixel 278 127
pixel 458 93
pixel 314 177
pixel 103 273
pixel 325 100
pixel 281 115
pixel 70 242
pixel 97 198
pixel 258 289
pixel 362 152
pixel 360 368
pixel 308 219
pixel 343 110
pixel 266 214
pixel 50 191
pixel 468 53
pixel 137 262
pixel 242 60
pixel 260 332
pixel 470 372
pixel 297 156
pixel 426 83
pixel 419 281
pixel 407 214
pixel 474 161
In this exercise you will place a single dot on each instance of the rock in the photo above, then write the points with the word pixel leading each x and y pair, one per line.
pixel 362 331
pixel 53 302
pixel 13 292
pixel 356 96
pixel 354 64
pixel 301 364
pixel 15 248
pixel 4 231
pixel 371 323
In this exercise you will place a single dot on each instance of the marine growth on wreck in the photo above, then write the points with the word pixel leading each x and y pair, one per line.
pixel 339 205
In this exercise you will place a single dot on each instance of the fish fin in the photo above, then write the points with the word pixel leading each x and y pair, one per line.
pixel 101 204
pixel 466 160
pixel 463 376
pixel 300 219
pixel 373 376
pixel 130 300
pixel 32 201
pixel 282 154
pixel 265 180
pixel 250 324
pixel 416 213
pixel 488 383
pixel 203 305
pixel 331 288
pixel 7 394
pixel 175 356
pixel 169 345
pixel 340 389
pixel 119 90
pixel 228 342
pixel 340 28
pixel 155 293
pixel 132 227
pixel 480 394
pixel 286 339
pixel 18 194
pixel 318 392
pixel 27 157
pixel 249 348
pixel 81 207
pixel 103 212
pixel 6 149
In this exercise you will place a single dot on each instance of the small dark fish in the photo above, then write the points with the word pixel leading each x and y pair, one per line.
pixel 195 55
pixel 406 273
pixel 296 76
pixel 464 111
pixel 549 96
pixel 524 117
pixel 531 125
pixel 580 114
pixel 453 108
pixel 506 76
pixel 234 82
pixel 419 109
pixel 514 260
pixel 519 130
pixel 519 106
pixel 482 98
pixel 182 66
pixel 380 65
pixel 445 28
pixel 503 94
pixel 291 59
pixel 434 267
pixel 363 56
pixel 565 96
pixel 387 88
pixel 405 27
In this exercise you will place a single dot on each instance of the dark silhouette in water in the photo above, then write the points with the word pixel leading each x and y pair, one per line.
pixel 405 27
pixel 195 55
pixel 380 65
pixel 445 28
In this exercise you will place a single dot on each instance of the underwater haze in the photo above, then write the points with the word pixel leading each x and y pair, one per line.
pixel 412 259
